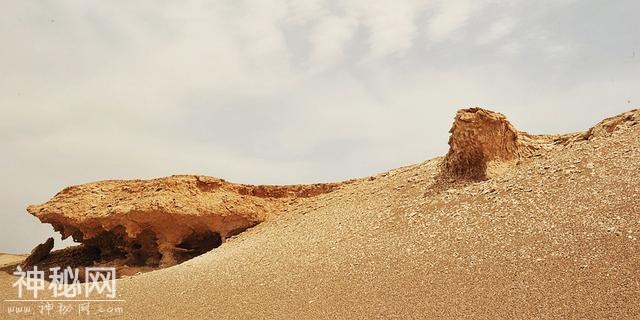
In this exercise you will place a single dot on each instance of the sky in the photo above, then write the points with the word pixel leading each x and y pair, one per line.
pixel 285 91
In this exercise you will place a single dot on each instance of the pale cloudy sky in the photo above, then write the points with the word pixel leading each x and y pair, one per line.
pixel 285 91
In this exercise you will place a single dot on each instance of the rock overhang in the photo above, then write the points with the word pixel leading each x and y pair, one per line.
pixel 161 222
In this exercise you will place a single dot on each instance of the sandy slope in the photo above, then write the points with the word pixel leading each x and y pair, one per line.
pixel 552 236
pixel 7 259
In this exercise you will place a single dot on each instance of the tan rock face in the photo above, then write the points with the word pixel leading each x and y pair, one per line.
pixel 164 221
pixel 477 137
pixel 480 136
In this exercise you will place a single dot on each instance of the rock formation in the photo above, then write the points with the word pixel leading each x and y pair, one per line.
pixel 610 125
pixel 164 221
pixel 479 136
pixel 39 253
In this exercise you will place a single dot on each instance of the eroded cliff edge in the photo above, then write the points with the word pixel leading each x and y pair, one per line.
pixel 163 221
pixel 480 137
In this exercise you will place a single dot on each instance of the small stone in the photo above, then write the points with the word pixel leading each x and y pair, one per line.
pixel 489 190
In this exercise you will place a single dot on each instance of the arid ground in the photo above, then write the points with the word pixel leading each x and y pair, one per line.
pixel 539 227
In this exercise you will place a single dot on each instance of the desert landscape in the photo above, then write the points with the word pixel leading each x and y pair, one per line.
pixel 7 259
pixel 507 225
pixel 320 159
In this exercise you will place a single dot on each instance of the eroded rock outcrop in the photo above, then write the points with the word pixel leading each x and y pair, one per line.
pixel 479 136
pixel 610 125
pixel 164 221
pixel 39 253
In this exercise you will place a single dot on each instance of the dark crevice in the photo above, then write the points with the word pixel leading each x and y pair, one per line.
pixel 197 244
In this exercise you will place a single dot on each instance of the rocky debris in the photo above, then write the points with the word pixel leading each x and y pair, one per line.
pixel 39 253
pixel 76 257
pixel 164 221
pixel 610 125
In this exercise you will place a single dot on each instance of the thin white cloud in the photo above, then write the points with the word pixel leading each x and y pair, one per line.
pixel 305 11
pixel 449 17
pixel 329 40
pixel 391 26
pixel 497 30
